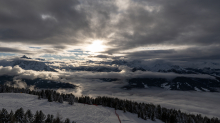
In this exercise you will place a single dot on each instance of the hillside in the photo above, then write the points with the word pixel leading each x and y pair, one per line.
pixel 78 112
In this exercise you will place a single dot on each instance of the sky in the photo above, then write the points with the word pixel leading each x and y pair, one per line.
pixel 111 29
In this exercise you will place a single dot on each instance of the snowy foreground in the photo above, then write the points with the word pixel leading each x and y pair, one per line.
pixel 78 112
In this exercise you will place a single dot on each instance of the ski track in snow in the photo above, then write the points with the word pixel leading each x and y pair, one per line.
pixel 78 112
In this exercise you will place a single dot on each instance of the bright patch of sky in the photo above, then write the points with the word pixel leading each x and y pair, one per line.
pixel 48 17
pixel 75 56
pixel 35 47
pixel 7 54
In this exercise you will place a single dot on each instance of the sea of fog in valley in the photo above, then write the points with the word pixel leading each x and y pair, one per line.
pixel 90 83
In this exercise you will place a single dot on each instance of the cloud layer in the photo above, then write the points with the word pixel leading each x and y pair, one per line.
pixel 204 103
pixel 124 75
pixel 122 25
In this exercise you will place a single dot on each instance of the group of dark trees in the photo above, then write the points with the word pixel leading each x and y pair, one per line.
pixel 148 111
pixel 52 95
pixel 27 117
pixel 143 110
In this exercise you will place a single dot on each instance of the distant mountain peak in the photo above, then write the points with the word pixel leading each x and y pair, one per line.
pixel 25 57
pixel 27 63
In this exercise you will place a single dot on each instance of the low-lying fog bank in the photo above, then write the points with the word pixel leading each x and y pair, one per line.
pixel 205 103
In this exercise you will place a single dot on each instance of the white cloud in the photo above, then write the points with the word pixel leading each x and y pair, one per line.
pixel 205 103
pixel 48 17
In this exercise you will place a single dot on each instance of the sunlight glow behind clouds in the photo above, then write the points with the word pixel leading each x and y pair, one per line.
pixel 96 46
pixel 134 29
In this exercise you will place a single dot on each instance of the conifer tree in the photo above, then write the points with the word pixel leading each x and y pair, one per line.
pixel 3 115
pixel 50 98
pixel 71 100
pixel 172 118
pixel 57 119
pixel 51 117
pixel 41 116
pixel 29 115
pixel 48 120
pixel 36 117
pixel 159 113
pixel 67 120
pixel 11 118
pixel 142 115
pixel 25 120
pixel 152 117
pixel 60 99
pixel 19 115
pixel 124 110
pixel 39 97
pixel 164 117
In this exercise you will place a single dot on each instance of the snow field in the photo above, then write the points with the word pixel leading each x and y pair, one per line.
pixel 78 112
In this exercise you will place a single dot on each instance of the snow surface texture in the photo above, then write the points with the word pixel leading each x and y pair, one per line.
pixel 78 112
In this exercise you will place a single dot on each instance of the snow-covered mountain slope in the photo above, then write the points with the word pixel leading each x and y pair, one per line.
pixel 32 65
pixel 96 69
pixel 178 83
pixel 202 65
pixel 86 66
pixel 38 83
pixel 154 66
pixel 210 68
pixel 134 66
pixel 27 64
pixel 79 113
pixel 190 68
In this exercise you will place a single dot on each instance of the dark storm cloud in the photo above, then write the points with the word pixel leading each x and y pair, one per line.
pixel 101 56
pixel 20 51
pixel 107 56
pixel 169 22
pixel 125 25
pixel 40 21
pixel 12 50
pixel 60 47
pixel 151 22
pixel 189 54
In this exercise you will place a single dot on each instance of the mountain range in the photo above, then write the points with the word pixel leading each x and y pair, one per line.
pixel 180 82
pixel 27 63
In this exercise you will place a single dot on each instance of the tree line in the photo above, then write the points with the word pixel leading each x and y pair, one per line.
pixel 145 111
pixel 28 117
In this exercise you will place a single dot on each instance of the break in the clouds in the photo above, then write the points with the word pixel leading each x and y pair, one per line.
pixel 133 29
